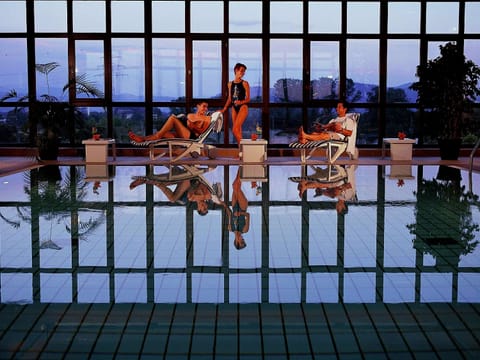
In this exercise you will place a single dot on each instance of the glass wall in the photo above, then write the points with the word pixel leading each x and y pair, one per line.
pixel 301 56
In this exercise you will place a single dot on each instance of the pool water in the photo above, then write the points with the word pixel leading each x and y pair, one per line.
pixel 339 261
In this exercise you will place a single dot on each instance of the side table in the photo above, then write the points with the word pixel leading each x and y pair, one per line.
pixel 253 151
pixel 399 149
pixel 96 151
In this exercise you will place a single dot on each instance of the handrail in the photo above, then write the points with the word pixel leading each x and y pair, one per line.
pixel 475 148
pixel 470 168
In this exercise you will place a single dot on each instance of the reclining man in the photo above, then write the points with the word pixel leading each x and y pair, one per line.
pixel 190 127
pixel 333 130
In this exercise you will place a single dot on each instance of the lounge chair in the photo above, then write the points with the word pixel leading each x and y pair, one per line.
pixel 192 147
pixel 334 147
pixel 333 175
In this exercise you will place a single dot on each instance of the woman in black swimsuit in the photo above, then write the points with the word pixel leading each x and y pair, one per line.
pixel 238 97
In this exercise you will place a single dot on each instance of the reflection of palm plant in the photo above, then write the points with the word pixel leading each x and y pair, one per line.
pixel 52 200
pixel 51 113
pixel 450 223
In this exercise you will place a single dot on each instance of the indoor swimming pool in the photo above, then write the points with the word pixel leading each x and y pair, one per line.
pixel 251 261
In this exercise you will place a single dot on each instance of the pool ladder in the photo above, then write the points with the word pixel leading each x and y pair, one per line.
pixel 470 170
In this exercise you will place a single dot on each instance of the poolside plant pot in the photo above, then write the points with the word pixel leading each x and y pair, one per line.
pixel 448 173
pixel 49 173
pixel 48 147
pixel 449 148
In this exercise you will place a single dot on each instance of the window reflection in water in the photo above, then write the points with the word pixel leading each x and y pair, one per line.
pixel 239 234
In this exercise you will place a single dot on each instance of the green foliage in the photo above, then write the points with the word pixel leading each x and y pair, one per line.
pixel 447 86
pixel 49 114
pixel 444 210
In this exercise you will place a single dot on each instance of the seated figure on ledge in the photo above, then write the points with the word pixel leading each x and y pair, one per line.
pixel 333 130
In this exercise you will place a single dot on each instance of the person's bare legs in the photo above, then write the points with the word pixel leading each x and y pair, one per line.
pixel 172 123
pixel 238 195
pixel 238 119
pixel 303 137
pixel 175 195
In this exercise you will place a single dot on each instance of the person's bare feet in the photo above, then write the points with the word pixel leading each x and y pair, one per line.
pixel 134 137
pixel 301 136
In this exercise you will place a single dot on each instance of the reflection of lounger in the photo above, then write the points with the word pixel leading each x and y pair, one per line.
pixel 178 173
pixel 192 147
pixel 332 175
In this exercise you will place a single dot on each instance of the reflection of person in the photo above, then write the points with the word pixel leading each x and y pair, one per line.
pixel 191 190
pixel 333 130
pixel 342 190
pixel 238 97
pixel 238 217
pixel 190 128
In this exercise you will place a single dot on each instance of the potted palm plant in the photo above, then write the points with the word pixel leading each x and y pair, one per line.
pixel 50 114
pixel 446 88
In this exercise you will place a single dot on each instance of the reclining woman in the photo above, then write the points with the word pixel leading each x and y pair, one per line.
pixel 190 127
pixel 335 129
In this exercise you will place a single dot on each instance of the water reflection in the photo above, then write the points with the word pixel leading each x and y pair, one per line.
pixel 333 181
pixel 239 234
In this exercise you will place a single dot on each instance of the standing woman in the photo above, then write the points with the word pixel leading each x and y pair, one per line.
pixel 238 97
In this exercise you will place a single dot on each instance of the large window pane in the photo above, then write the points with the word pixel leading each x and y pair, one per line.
pixel 472 14
pixel 168 16
pixel 362 70
pixel 89 56
pixel 251 19
pixel 207 69
pixel 13 128
pixel 52 50
pixel 442 17
pixel 127 16
pixel 472 52
pixel 286 70
pixel 403 58
pixel 168 61
pixel 207 16
pixel 13 66
pixel 13 17
pixel 363 17
pixel 400 119
pixel 284 124
pixel 50 16
pixel 286 17
pixel 128 70
pixel 398 12
pixel 246 51
pixel 125 119
pixel 87 118
pixel 324 69
pixel 324 17
pixel 89 16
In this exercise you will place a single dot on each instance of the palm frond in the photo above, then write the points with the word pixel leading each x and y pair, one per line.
pixel 84 86
pixel 46 68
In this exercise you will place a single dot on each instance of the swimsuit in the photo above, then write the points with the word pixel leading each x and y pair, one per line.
pixel 238 92
pixel 184 121
pixel 238 222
